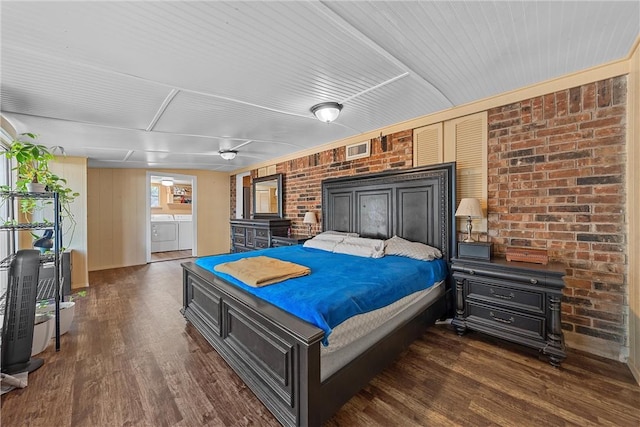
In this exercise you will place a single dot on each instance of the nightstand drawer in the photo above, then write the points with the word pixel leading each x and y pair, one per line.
pixel 509 296
pixel 238 240
pixel 495 318
pixel 238 230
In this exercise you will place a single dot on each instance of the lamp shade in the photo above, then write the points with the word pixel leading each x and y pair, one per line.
pixel 326 111
pixel 469 208
pixel 310 218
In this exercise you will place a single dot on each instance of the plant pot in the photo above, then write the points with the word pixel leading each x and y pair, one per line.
pixel 42 333
pixel 35 187
pixel 67 311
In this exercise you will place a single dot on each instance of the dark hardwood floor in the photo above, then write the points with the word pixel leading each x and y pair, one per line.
pixel 131 360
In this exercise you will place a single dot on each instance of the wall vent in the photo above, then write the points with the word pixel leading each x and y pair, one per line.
pixel 358 150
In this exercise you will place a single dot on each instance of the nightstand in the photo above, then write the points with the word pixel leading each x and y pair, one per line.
pixel 515 301
pixel 294 239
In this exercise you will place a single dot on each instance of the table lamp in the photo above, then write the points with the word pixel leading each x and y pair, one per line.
pixel 470 208
pixel 310 218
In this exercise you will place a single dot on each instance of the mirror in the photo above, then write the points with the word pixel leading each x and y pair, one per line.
pixel 267 196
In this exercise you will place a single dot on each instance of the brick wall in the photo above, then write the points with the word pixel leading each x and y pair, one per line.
pixel 556 181
pixel 302 176
pixel 555 175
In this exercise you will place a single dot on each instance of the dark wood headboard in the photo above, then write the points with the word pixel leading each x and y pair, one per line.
pixel 417 204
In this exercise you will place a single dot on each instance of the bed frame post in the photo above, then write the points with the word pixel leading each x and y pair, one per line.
pixel 309 414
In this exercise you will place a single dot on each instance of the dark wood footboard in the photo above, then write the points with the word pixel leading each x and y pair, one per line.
pixel 277 355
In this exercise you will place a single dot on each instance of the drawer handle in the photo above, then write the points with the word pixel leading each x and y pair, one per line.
pixel 472 272
pixel 498 319
pixel 510 296
pixel 534 281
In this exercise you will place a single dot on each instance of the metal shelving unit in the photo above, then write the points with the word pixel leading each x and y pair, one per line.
pixel 12 225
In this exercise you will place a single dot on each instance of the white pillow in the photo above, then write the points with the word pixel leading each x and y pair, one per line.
pixel 360 246
pixel 329 237
pixel 416 250
pixel 325 245
pixel 326 241
pixel 338 233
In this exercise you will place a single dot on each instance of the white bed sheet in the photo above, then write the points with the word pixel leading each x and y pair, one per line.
pixel 355 335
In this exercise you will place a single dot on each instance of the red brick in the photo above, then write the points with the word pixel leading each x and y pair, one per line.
pixel 549 106
pixel 575 118
pixel 619 110
pixel 602 123
pixel 609 131
pixel 575 100
pixel 571 136
pixel 537 109
pixel 604 93
pixel 559 130
pixel 588 96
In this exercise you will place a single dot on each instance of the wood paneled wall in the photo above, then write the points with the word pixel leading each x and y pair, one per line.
pixel 117 222
pixel 633 209
pixel 74 170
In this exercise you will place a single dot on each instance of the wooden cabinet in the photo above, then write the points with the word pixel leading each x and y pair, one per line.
pixel 515 301
pixel 252 234
pixel 292 240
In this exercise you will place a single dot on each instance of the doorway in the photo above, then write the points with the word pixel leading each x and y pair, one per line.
pixel 243 195
pixel 171 216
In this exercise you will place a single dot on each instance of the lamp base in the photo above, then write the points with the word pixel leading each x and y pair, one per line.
pixel 469 239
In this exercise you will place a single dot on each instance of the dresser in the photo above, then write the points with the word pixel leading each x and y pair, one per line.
pixel 252 234
pixel 515 301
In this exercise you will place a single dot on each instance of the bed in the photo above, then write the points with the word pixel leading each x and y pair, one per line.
pixel 279 355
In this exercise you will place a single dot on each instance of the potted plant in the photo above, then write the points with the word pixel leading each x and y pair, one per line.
pixel 32 164
pixel 32 169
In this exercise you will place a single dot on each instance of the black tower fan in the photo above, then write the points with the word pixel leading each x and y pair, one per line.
pixel 20 312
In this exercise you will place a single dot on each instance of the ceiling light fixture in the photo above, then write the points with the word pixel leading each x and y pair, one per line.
pixel 167 182
pixel 228 154
pixel 326 111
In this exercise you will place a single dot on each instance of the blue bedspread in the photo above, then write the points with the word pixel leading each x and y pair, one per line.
pixel 339 286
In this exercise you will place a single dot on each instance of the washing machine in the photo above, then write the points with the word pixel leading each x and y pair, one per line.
pixel 164 233
pixel 185 231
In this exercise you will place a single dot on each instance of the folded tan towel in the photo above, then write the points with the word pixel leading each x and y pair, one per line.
pixel 262 270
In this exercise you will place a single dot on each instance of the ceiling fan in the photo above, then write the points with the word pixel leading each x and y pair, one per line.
pixel 228 154
pixel 231 153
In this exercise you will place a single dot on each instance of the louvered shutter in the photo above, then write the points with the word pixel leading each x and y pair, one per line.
pixel 466 143
pixel 428 145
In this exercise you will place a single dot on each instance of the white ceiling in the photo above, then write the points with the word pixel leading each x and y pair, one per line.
pixel 168 84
